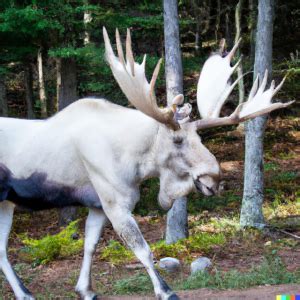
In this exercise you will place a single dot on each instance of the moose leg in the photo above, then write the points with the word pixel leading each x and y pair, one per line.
pixel 95 223
pixel 6 217
pixel 126 227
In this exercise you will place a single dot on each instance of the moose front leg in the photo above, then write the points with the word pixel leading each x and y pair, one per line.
pixel 95 223
pixel 126 227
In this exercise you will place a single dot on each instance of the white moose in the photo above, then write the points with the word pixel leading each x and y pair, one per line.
pixel 96 154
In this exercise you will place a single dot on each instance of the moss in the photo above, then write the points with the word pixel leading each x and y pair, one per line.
pixel 116 254
pixel 50 247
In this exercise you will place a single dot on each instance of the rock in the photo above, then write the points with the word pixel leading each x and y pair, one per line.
pixel 200 264
pixel 169 264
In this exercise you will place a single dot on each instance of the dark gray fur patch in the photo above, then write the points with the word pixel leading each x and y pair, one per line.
pixel 38 193
pixel 163 284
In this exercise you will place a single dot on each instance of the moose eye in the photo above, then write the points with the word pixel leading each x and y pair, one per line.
pixel 178 140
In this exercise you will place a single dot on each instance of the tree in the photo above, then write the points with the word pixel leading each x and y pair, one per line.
pixel 177 216
pixel 3 98
pixel 251 212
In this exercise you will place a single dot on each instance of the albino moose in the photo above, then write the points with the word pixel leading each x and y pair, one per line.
pixel 95 154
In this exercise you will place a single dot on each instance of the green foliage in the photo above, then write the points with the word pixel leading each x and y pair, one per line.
pixel 115 253
pixel 140 283
pixel 271 271
pixel 50 247
pixel 197 202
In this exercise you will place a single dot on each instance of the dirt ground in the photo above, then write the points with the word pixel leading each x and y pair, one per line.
pixel 256 293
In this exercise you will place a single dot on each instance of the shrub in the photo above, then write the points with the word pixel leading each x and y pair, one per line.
pixel 50 247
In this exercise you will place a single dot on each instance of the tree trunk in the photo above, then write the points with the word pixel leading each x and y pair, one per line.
pixel 238 11
pixel 87 18
pixel 251 212
pixel 218 18
pixel 66 94
pixel 3 98
pixel 177 216
pixel 29 91
pixel 42 91
pixel 251 28
pixel 66 82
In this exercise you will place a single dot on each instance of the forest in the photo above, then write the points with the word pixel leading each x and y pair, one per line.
pixel 246 235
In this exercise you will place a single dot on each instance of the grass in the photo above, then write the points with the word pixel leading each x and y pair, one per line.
pixel 51 247
pixel 271 271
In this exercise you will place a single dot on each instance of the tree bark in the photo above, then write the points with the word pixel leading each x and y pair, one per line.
pixel 251 28
pixel 251 212
pixel 87 18
pixel 42 91
pixel 238 11
pixel 177 216
pixel 66 94
pixel 66 82
pixel 3 98
pixel 218 19
pixel 29 91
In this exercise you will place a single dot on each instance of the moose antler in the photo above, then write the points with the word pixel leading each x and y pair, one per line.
pixel 131 78
pixel 214 89
pixel 259 103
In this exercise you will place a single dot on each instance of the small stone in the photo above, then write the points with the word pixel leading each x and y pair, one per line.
pixel 169 264
pixel 200 264
pixel 75 236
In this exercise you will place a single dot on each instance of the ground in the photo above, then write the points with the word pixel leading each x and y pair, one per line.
pixel 241 250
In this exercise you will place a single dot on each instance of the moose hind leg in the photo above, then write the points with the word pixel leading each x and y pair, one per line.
pixel 126 227
pixel 6 217
pixel 95 223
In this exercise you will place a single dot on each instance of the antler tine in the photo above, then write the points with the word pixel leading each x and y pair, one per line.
pixel 280 85
pixel 120 48
pixel 263 82
pixel 108 47
pixel 155 75
pixel 237 64
pixel 129 54
pixel 254 88
pixel 233 50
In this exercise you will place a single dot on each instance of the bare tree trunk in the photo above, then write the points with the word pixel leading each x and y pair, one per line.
pixel 218 18
pixel 251 212
pixel 238 11
pixel 228 33
pixel 66 82
pixel 177 216
pixel 42 91
pixel 251 28
pixel 66 94
pixel 87 18
pixel 3 98
pixel 29 91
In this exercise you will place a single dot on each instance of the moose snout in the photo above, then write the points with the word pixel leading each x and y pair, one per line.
pixel 208 185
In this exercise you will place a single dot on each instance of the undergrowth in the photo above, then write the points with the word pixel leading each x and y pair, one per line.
pixel 271 271
pixel 51 247
pixel 115 253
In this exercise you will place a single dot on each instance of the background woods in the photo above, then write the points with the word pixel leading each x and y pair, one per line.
pixel 52 53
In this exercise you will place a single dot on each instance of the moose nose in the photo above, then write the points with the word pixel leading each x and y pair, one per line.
pixel 207 187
